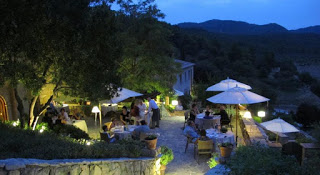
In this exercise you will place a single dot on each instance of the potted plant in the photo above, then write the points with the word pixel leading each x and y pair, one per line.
pixel 151 141
pixel 226 149
pixel 167 157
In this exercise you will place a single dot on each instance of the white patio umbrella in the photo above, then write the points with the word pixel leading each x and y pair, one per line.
pixel 237 95
pixel 178 93
pixel 279 125
pixel 121 95
pixel 227 84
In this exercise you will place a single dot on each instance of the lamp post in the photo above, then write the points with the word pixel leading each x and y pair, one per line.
pixel 261 114
pixel 247 115
pixel 96 110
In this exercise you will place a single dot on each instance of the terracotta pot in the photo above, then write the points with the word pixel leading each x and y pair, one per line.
pixel 163 169
pixel 225 151
pixel 151 144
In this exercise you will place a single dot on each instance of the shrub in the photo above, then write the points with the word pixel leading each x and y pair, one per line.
pixel 167 155
pixel 315 88
pixel 71 131
pixel 257 119
pixel 307 114
pixel 185 101
pixel 19 143
pixel 257 159
pixel 169 108
pixel 151 137
pixel 213 160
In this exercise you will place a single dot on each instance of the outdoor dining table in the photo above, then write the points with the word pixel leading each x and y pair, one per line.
pixel 81 124
pixel 120 133
pixel 207 123
pixel 219 138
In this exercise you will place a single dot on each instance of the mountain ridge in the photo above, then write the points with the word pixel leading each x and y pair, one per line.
pixel 244 28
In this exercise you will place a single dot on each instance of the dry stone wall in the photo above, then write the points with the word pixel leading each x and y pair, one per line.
pixel 114 166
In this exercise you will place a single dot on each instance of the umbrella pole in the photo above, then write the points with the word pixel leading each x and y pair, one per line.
pixel 237 111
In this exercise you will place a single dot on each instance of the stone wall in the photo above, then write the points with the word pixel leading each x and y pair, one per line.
pixel 114 166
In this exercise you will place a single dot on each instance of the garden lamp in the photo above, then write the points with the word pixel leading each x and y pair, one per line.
pixel 261 113
pixel 96 110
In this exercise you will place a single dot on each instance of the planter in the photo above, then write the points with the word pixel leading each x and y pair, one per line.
pixel 225 151
pixel 163 169
pixel 151 144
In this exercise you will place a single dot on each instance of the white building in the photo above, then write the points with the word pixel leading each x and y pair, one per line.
pixel 185 78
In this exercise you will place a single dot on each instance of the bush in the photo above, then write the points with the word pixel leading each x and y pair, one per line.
pixel 257 159
pixel 185 101
pixel 19 143
pixel 307 114
pixel 167 155
pixel 169 108
pixel 212 161
pixel 71 131
pixel 315 88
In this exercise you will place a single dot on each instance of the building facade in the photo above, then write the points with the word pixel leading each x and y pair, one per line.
pixel 185 78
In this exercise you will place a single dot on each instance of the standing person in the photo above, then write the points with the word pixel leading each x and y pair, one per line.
pixel 155 113
pixel 224 116
pixel 142 109
pixel 134 112
pixel 193 113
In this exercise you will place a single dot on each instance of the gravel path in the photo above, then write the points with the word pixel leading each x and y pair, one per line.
pixel 183 163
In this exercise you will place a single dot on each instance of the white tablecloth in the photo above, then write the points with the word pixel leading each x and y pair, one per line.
pixel 220 137
pixel 120 133
pixel 207 123
pixel 81 124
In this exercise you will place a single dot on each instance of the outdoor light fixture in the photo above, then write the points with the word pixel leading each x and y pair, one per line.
pixel 261 113
pixel 174 102
pixel 41 130
pixel 247 114
pixel 95 110
pixel 88 143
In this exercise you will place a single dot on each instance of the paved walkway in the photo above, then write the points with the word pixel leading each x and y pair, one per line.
pixel 183 163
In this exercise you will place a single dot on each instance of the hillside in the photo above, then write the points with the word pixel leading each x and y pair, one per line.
pixel 244 28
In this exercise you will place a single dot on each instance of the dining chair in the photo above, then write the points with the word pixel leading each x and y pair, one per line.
pixel 189 140
pixel 203 147
pixel 105 137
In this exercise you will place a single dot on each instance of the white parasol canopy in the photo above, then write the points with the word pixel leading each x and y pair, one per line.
pixel 178 93
pixel 123 94
pixel 279 125
pixel 237 95
pixel 227 84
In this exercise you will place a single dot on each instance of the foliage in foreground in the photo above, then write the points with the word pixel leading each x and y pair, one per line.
pixel 257 159
pixel 71 131
pixel 167 155
pixel 19 143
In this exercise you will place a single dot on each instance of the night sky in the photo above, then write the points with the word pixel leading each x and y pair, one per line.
pixel 291 14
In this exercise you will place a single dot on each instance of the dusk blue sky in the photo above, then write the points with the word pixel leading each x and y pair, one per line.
pixel 291 14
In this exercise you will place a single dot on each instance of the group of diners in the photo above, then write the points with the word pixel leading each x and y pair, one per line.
pixel 225 120
pixel 193 131
pixel 142 129
pixel 137 113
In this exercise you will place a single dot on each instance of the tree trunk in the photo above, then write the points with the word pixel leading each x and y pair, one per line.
pixel 31 114
pixel 19 107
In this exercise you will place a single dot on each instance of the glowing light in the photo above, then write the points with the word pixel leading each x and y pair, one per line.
pixel 65 105
pixel 261 113
pixel 174 102
pixel 247 114
pixel 95 109
pixel 88 143
pixel 14 124
pixel 41 130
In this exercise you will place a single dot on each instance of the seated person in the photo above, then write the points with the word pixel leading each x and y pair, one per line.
pixel 193 112
pixel 190 130
pixel 143 128
pixel 76 115
pixel 105 131
pixel 206 116
pixel 115 122
pixel 203 135
pixel 224 116
pixel 64 117
pixel 208 109
pixel 124 116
